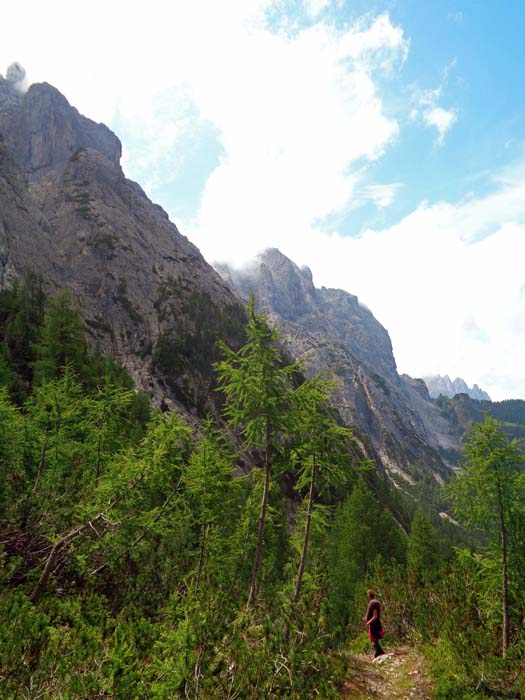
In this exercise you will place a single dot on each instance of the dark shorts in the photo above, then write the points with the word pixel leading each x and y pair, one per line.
pixel 376 633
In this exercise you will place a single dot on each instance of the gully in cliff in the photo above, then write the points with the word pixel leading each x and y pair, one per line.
pixel 373 623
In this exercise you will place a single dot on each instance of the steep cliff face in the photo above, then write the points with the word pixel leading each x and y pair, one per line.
pixel 23 229
pixel 68 212
pixel 398 423
pixel 43 130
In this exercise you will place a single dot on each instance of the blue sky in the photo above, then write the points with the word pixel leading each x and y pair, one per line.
pixel 380 143
pixel 472 52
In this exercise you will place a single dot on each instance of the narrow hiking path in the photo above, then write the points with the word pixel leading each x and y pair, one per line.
pixel 402 674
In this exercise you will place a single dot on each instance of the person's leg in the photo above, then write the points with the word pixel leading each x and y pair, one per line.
pixel 378 651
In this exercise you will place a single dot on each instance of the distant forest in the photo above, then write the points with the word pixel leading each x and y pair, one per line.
pixel 508 411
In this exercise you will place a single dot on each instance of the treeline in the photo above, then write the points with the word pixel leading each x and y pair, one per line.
pixel 142 558
pixel 509 411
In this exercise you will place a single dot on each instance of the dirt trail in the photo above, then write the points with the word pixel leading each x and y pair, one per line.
pixel 402 674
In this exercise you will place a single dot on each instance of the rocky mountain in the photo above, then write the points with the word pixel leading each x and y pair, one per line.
pixel 444 386
pixel 69 213
pixel 393 415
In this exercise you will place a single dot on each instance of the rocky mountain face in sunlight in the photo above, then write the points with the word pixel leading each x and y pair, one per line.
pixel 69 213
pixel 393 415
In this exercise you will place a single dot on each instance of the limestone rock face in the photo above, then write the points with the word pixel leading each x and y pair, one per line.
pixel 26 240
pixel 42 130
pixel 397 423
pixel 68 212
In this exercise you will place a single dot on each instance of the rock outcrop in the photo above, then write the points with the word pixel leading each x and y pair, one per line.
pixel 42 130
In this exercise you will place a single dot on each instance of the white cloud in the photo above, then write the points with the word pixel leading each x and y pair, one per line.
pixel 310 114
pixel 382 195
pixel 448 286
pixel 442 119
pixel 430 112
pixel 315 7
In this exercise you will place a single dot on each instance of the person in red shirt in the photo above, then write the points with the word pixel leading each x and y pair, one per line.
pixel 373 623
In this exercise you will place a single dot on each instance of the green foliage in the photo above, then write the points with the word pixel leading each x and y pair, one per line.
pixel 62 341
pixel 256 384
pixel 129 539
pixel 11 450
pixel 489 494
pixel 364 539
pixel 21 314
pixel 321 457
pixel 490 478
pixel 320 440
pixel 259 402
pixel 424 558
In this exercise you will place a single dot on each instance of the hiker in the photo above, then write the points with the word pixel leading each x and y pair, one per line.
pixel 373 622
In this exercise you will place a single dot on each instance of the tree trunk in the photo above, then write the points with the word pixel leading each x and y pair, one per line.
pixel 201 558
pixel 42 459
pixel 306 531
pixel 504 583
pixel 262 517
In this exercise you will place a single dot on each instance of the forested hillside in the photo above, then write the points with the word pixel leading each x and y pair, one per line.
pixel 143 557
pixel 463 412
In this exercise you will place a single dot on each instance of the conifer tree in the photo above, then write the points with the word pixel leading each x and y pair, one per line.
pixel 62 341
pixel 362 533
pixel 212 491
pixel 21 316
pixel 424 559
pixel 488 493
pixel 322 453
pixel 11 452
pixel 258 391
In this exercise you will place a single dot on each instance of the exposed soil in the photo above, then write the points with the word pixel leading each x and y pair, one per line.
pixel 402 674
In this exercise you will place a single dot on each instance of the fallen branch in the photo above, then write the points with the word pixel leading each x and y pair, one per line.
pixel 66 539
pixel 137 539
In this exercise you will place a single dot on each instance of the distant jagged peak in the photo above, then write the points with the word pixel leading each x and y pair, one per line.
pixel 275 260
pixel 443 386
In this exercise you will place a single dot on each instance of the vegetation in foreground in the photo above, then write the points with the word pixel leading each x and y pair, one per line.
pixel 140 560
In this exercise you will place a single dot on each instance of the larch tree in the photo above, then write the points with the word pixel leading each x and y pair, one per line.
pixel 488 493
pixel 424 558
pixel 258 390
pixel 322 457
